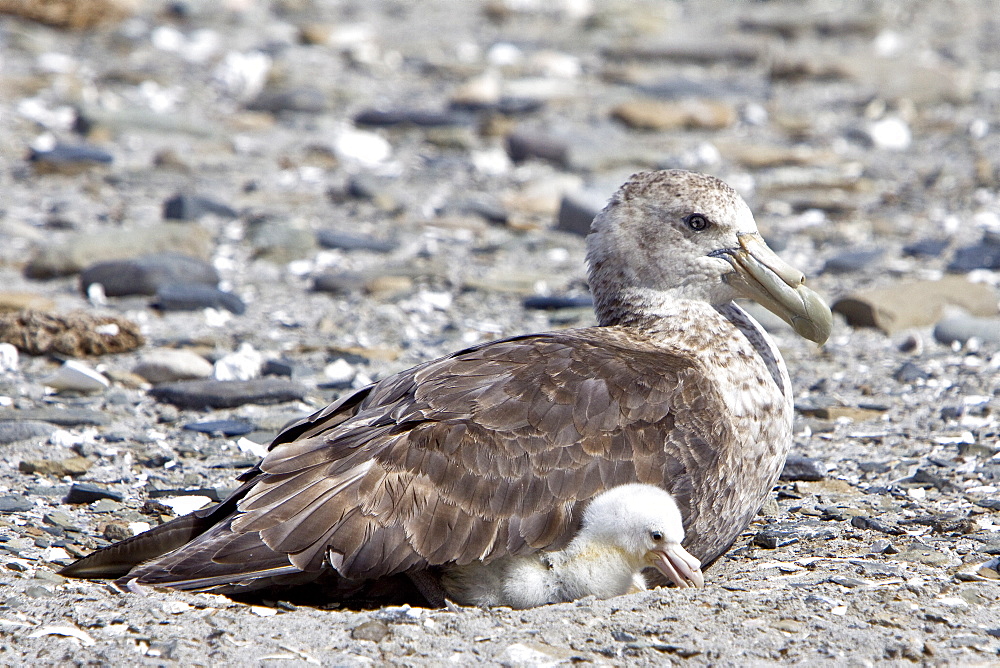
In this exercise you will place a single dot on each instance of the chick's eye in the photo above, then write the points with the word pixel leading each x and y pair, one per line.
pixel 696 222
pixel 656 536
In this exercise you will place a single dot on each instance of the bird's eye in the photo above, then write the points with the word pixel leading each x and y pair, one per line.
pixel 656 536
pixel 697 222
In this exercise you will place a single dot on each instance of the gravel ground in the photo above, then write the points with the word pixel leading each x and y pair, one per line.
pixel 374 184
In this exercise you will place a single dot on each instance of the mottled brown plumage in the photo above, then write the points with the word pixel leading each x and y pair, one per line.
pixel 493 451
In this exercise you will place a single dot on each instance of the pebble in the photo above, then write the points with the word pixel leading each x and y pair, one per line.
pixel 24 301
pixel 222 427
pixel 780 534
pixel 924 554
pixel 193 207
pixel 524 144
pixel 165 365
pixel 909 304
pixel 203 394
pixel 578 209
pixel 890 133
pixel 68 159
pixel 279 241
pixel 910 373
pixel 146 274
pixel 863 522
pixel 85 249
pixel 76 377
pixel 303 99
pixel 72 14
pixel 242 364
pixel 682 115
pixel 385 118
pixel 85 492
pixel 372 630
pixel 798 467
pixel 926 248
pixel 24 429
pixel 983 255
pixel 8 357
pixel 962 327
pixel 192 297
pixel 15 504
pixel 339 283
pixel 852 261
pixel 58 468
pixel 65 416
pixel 351 242
pixel 365 148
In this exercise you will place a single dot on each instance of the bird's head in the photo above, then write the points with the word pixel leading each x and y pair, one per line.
pixel 673 235
pixel 646 524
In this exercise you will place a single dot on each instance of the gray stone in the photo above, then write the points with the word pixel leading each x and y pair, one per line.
pixel 85 492
pixel 65 416
pixel 69 159
pixel 193 207
pixel 984 255
pixel 384 118
pixel 15 504
pixel 303 99
pixel 145 275
pixel 798 467
pixel 84 249
pixel 202 394
pixel 855 260
pixel 577 211
pixel 961 327
pixel 780 534
pixel 526 144
pixel 23 430
pixel 193 297
pixel 222 427
pixel 167 365
pixel 350 242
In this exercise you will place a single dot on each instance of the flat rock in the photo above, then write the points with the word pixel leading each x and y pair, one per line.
pixel 525 144
pixel 71 466
pixel 192 207
pixel 201 394
pixel 350 242
pixel 167 365
pixel 961 327
pixel 85 492
pixel 15 504
pixel 70 14
pixel 76 376
pixel 578 209
pixel 681 115
pixel 76 334
pixel 145 275
pixel 69 159
pixel 303 99
pixel 11 302
pixel 781 534
pixel 914 304
pixel 65 416
pixel 85 249
pixel 193 297
pixel 24 429
pixel 853 260
pixel 222 427
pixel 798 467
